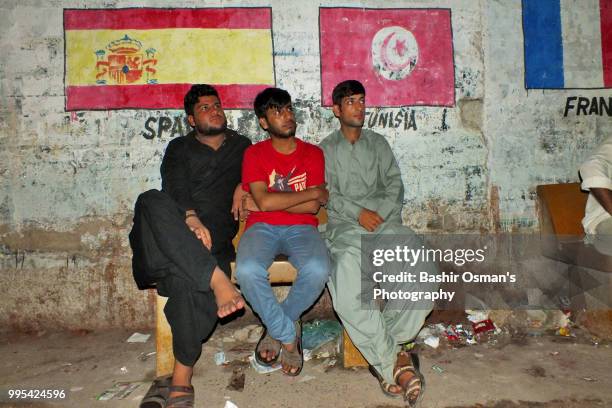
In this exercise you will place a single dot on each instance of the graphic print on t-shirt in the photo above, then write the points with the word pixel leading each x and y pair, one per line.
pixel 278 182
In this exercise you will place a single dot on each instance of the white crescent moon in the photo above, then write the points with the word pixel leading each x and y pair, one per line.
pixel 389 64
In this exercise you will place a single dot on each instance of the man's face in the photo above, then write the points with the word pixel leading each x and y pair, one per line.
pixel 208 117
pixel 279 122
pixel 351 111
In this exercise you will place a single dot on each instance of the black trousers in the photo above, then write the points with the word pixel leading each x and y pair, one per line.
pixel 168 255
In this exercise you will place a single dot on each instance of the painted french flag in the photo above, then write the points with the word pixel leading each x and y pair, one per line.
pixel 568 44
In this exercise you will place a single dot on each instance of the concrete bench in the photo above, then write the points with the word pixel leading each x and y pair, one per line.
pixel 281 272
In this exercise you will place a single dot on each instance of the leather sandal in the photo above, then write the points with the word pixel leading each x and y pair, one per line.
pixel 295 358
pixel 157 394
pixel 414 389
pixel 267 343
pixel 181 401
pixel 385 386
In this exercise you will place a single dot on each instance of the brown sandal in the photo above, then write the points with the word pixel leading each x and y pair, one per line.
pixel 157 394
pixel 267 343
pixel 294 358
pixel 182 401
pixel 384 386
pixel 414 389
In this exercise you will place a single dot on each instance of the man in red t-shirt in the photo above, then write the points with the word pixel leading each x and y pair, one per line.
pixel 286 180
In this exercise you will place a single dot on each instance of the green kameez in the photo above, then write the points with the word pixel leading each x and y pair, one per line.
pixel 366 175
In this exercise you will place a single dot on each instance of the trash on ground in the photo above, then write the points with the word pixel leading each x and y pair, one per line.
pixel 261 369
pixel 230 404
pixel 76 389
pixel 319 332
pixel 564 331
pixel 408 346
pixel 123 370
pixel 236 382
pixel 432 341
pixel 138 338
pixel 118 391
pixel 330 364
pixel 483 326
pixel 329 349
pixel 469 339
pixel 589 379
pixel 451 334
pixel 307 355
pixel 437 369
pixel 145 356
pixel 220 358
pixel 476 316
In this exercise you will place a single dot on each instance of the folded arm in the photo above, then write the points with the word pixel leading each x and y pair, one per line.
pixel 284 201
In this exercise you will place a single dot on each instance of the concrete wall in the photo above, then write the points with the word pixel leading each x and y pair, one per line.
pixel 68 180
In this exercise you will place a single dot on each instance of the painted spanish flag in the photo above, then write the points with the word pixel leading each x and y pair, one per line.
pixel 147 58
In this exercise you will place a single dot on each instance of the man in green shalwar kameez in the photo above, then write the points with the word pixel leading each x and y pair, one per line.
pixel 365 197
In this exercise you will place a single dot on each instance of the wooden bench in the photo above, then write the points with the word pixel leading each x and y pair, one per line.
pixel 281 272
pixel 560 212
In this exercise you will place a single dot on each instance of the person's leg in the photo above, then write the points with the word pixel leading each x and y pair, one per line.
pixel 258 246
pixel 169 238
pixel 165 244
pixel 405 318
pixel 192 317
pixel 364 323
pixel 166 251
pixel 308 254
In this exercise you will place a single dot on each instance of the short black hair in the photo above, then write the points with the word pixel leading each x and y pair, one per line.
pixel 193 96
pixel 274 98
pixel 346 88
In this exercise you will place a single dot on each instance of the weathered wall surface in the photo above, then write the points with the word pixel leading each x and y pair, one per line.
pixel 68 180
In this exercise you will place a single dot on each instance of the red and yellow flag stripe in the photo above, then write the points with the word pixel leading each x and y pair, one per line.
pixel 148 58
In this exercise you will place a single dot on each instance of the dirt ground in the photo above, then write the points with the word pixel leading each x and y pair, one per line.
pixel 511 371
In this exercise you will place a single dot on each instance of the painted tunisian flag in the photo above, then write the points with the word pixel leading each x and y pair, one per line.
pixel 402 56
pixel 149 57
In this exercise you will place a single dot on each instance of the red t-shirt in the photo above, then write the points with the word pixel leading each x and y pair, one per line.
pixel 303 168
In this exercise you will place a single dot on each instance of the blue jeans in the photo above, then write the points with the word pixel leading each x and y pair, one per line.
pixel 307 253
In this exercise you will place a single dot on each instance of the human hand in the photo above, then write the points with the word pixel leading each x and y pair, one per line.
pixel 200 231
pixel 237 204
pixel 370 220
pixel 322 194
pixel 248 205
